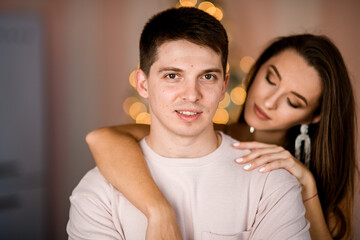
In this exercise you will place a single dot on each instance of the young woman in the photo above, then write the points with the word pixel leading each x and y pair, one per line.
pixel 279 100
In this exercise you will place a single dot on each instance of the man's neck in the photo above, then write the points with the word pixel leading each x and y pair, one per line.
pixel 180 146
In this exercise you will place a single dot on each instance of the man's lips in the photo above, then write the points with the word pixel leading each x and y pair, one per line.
pixel 260 113
pixel 188 115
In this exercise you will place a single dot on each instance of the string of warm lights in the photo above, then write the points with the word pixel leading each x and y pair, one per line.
pixel 229 108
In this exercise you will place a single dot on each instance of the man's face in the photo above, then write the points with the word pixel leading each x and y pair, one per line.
pixel 184 87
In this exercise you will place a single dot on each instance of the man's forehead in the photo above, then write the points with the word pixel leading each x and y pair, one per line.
pixel 184 48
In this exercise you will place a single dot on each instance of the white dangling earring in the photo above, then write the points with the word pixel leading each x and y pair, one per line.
pixel 303 137
pixel 252 129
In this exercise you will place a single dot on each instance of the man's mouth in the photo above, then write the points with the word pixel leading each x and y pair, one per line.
pixel 188 115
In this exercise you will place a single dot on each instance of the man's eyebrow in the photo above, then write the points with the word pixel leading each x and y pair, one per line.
pixel 170 69
pixel 175 69
pixel 276 71
pixel 301 97
pixel 214 70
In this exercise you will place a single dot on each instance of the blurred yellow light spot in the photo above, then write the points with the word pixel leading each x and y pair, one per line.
pixel 238 95
pixel 143 118
pixel 218 14
pixel 132 79
pixel 246 64
pixel 221 116
pixel 188 3
pixel 128 102
pixel 136 108
pixel 207 5
pixel 211 10
pixel 225 102
pixel 227 67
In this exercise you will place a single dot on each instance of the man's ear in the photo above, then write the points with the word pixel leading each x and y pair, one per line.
pixel 226 82
pixel 141 83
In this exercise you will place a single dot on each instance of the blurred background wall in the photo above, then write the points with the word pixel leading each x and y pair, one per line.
pixel 64 70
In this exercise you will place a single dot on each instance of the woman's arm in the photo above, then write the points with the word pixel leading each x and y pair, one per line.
pixel 269 157
pixel 119 158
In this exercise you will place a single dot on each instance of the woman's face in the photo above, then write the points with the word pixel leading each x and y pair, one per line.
pixel 285 92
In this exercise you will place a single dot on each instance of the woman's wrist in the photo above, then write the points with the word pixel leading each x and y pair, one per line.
pixel 162 213
pixel 158 206
pixel 309 188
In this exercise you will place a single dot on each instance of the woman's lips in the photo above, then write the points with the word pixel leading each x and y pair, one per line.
pixel 260 113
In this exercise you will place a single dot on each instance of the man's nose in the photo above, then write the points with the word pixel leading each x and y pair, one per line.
pixel 191 91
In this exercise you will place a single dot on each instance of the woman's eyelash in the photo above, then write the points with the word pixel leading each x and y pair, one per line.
pixel 291 104
pixel 268 79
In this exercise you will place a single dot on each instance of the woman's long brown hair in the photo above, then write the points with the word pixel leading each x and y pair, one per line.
pixel 333 157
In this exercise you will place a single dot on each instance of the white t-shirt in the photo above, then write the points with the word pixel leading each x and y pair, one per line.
pixel 213 197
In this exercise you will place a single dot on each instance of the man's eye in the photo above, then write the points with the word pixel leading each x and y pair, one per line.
pixel 171 76
pixel 209 77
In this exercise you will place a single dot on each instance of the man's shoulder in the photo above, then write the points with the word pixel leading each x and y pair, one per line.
pixel 281 181
pixel 93 184
pixel 282 176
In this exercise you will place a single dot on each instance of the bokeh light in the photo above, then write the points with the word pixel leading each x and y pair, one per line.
pixel 143 118
pixel 218 14
pixel 128 102
pixel 136 108
pixel 221 116
pixel 132 79
pixel 225 102
pixel 207 7
pixel 246 64
pixel 238 95
pixel 187 3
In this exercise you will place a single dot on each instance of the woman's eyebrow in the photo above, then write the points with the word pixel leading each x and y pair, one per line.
pixel 276 71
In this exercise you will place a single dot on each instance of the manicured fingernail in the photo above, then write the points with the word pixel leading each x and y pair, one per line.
pixel 262 169
pixel 239 160
pixel 236 144
pixel 247 166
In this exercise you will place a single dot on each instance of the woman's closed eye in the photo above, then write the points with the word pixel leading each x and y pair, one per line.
pixel 293 105
pixel 268 78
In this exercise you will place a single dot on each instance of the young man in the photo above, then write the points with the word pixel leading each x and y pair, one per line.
pixel 183 56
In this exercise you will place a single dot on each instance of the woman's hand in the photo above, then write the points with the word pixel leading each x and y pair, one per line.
pixel 162 225
pixel 269 157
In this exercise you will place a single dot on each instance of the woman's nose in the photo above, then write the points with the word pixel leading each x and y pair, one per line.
pixel 271 101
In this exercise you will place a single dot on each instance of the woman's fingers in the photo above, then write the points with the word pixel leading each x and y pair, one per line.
pixel 279 157
pixel 268 157
pixel 252 145
pixel 274 161
pixel 259 152
pixel 288 163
